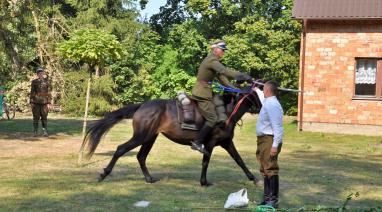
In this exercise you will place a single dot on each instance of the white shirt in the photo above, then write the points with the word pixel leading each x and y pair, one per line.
pixel 270 121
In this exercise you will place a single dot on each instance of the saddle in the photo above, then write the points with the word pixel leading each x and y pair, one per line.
pixel 187 110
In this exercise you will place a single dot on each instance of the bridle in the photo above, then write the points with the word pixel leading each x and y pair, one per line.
pixel 241 100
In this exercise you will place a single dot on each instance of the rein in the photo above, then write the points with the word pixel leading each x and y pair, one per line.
pixel 220 87
pixel 238 103
pixel 236 108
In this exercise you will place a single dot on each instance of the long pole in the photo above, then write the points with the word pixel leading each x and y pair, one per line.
pixel 86 109
pixel 85 120
pixel 281 89
pixel 302 75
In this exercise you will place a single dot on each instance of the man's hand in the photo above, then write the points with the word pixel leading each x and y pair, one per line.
pixel 257 85
pixel 49 106
pixel 273 151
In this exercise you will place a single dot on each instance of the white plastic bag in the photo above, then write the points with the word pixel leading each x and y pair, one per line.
pixel 237 199
pixel 142 204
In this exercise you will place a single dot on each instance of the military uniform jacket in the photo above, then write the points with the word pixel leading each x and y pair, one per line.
pixel 40 91
pixel 208 70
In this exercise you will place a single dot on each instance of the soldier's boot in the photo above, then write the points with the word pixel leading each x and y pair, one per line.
pixel 35 129
pixel 44 129
pixel 267 191
pixel 274 191
pixel 197 144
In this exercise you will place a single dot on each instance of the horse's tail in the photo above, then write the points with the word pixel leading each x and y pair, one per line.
pixel 101 127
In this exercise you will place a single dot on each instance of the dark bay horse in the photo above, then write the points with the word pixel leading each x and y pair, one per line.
pixel 160 116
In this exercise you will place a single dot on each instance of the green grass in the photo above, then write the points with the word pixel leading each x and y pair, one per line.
pixel 316 169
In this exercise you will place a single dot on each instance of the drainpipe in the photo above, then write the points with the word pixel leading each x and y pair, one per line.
pixel 302 73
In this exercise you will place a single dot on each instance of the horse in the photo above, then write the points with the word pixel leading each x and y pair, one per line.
pixel 160 116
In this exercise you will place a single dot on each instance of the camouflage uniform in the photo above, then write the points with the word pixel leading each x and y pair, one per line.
pixel 202 90
pixel 40 97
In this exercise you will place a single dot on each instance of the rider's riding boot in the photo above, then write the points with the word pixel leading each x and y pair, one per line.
pixel 267 191
pixel 35 129
pixel 197 144
pixel 274 191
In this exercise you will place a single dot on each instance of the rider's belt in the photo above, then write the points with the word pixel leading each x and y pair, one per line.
pixel 42 94
pixel 260 136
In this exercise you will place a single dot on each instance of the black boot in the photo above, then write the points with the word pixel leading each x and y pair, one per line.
pixel 197 144
pixel 267 191
pixel 35 129
pixel 274 191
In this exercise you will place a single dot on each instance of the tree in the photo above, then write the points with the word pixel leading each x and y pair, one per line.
pixel 93 47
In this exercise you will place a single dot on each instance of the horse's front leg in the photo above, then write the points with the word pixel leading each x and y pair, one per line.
pixel 206 161
pixel 231 149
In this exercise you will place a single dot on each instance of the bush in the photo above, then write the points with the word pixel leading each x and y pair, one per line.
pixel 74 96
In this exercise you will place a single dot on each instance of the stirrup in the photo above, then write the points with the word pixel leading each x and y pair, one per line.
pixel 199 147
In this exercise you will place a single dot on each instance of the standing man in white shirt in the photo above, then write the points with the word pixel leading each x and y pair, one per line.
pixel 270 132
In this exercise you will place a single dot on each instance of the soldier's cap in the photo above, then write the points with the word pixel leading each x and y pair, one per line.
pixel 219 44
pixel 38 70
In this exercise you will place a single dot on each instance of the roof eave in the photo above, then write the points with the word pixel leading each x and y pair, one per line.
pixel 337 18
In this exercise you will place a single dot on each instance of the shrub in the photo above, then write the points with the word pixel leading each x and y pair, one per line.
pixel 74 96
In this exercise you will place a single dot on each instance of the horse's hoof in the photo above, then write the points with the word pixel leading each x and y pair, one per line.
pixel 206 184
pixel 101 177
pixel 152 180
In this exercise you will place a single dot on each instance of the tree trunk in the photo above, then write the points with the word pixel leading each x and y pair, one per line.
pixel 96 68
pixel 86 108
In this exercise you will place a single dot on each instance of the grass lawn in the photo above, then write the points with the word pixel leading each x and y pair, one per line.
pixel 316 170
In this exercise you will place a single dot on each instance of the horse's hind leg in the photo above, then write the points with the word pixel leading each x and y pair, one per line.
pixel 142 155
pixel 121 150
pixel 231 149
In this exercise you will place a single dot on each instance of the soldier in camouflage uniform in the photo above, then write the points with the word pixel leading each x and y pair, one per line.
pixel 40 99
pixel 202 90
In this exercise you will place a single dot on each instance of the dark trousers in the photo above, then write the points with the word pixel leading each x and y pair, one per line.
pixel 40 111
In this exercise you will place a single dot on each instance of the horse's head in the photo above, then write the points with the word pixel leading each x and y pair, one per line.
pixel 246 101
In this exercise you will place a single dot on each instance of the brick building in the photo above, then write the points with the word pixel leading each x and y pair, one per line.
pixel 340 66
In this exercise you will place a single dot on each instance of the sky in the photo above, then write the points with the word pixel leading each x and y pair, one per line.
pixel 152 7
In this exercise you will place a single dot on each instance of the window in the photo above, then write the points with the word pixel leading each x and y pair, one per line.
pixel 368 78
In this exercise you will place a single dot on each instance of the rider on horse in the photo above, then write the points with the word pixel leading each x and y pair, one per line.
pixel 202 90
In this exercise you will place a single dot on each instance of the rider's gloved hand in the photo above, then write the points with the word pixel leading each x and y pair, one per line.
pixel 244 78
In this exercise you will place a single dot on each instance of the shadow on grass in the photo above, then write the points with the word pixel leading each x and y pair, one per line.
pixel 332 179
pixel 316 179
pixel 308 177
pixel 22 128
pixel 179 188
pixel 111 153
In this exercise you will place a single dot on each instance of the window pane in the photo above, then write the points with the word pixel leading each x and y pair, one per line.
pixel 365 89
pixel 365 77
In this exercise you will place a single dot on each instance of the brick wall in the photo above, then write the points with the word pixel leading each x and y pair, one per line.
pixel 331 48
